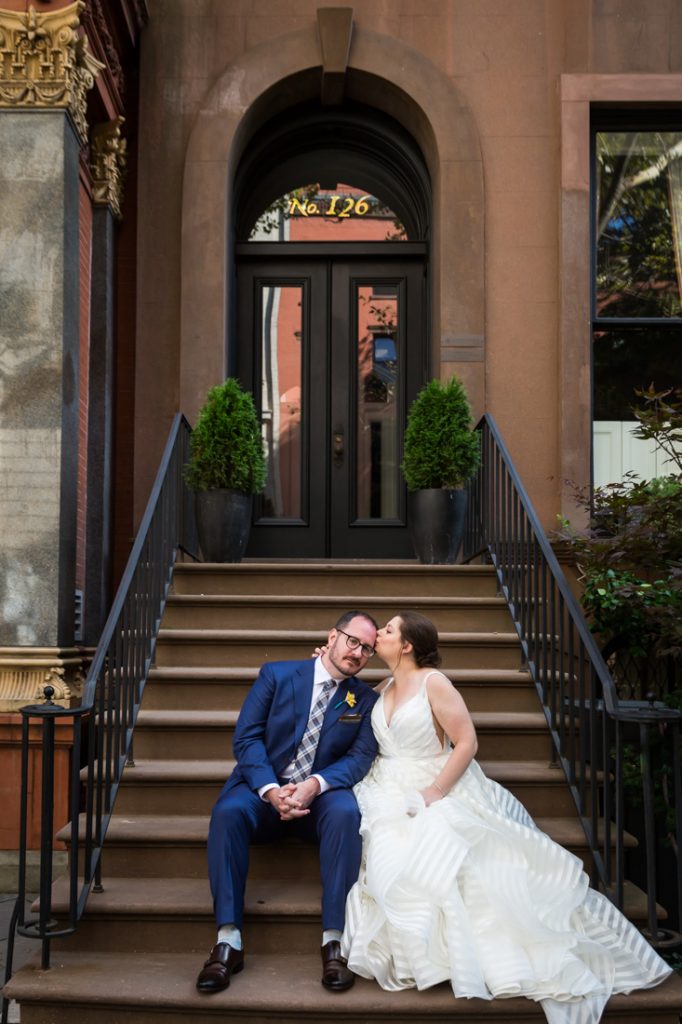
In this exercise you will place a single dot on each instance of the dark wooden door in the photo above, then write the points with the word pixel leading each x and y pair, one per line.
pixel 334 352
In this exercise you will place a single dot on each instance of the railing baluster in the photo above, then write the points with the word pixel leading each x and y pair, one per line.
pixel 578 694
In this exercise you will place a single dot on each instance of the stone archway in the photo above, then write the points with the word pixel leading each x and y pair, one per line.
pixel 414 92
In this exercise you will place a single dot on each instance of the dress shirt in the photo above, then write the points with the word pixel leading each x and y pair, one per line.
pixel 320 677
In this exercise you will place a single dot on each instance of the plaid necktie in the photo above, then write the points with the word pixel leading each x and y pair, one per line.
pixel 305 755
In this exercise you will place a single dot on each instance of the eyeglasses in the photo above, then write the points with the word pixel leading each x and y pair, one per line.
pixel 354 643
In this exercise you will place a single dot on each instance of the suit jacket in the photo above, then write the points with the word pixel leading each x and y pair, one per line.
pixel 273 719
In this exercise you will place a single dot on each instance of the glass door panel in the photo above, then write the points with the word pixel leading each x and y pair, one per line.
pixel 281 403
pixel 377 370
pixel 378 363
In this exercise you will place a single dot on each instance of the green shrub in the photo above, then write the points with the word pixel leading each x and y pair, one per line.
pixel 441 450
pixel 227 448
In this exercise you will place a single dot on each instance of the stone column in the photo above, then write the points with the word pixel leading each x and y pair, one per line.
pixel 45 72
pixel 108 159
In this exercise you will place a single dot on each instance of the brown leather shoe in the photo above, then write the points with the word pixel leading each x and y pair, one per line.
pixel 335 973
pixel 223 961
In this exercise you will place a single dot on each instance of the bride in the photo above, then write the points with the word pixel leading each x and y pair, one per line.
pixel 457 883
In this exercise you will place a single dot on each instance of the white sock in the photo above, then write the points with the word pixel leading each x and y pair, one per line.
pixel 230 934
pixel 330 935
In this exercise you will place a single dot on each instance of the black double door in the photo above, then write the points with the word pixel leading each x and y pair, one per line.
pixel 333 349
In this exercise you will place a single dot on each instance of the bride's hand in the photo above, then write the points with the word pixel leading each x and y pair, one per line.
pixel 320 650
pixel 430 795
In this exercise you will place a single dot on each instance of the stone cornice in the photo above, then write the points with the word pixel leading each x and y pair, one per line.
pixel 45 62
pixel 26 671
pixel 107 163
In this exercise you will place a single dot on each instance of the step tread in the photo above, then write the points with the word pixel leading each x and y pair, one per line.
pixel 211 719
pixel 150 770
pixel 332 600
pixel 196 770
pixel 166 981
pixel 265 636
pixel 130 897
pixel 192 829
pixel 191 897
pixel 458 676
pixel 363 566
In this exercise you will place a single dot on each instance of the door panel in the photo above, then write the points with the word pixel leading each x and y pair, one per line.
pixel 377 367
pixel 333 351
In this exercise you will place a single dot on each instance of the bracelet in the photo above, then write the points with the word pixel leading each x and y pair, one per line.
pixel 434 783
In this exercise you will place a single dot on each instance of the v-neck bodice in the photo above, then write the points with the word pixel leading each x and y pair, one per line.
pixel 411 731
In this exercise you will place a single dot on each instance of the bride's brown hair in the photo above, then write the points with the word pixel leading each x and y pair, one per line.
pixel 419 631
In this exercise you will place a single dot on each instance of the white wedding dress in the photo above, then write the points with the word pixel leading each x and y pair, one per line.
pixel 470 891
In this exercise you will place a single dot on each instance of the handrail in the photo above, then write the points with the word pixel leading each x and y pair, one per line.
pixel 590 726
pixel 103 724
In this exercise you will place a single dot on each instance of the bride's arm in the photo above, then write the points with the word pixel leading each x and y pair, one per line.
pixel 452 715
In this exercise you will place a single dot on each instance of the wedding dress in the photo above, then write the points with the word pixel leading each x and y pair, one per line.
pixel 470 891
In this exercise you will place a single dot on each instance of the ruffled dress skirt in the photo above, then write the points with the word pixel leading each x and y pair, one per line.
pixel 471 892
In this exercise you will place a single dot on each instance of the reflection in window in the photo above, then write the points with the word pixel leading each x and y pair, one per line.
pixel 639 224
pixel 638 259
pixel 313 214
pixel 281 398
pixel 626 359
pixel 377 426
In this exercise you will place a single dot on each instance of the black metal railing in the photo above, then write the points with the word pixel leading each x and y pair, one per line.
pixel 604 744
pixel 103 723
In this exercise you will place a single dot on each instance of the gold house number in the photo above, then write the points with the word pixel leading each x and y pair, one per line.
pixel 332 206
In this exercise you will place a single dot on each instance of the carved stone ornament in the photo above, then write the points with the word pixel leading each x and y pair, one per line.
pixel 45 63
pixel 26 671
pixel 108 163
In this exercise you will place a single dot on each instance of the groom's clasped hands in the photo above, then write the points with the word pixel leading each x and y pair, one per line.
pixel 293 800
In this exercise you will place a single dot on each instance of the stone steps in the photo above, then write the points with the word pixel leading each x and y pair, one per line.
pixel 127 988
pixel 233 647
pixel 224 688
pixel 323 579
pixel 138 844
pixel 192 786
pixel 209 734
pixel 136 952
pixel 314 612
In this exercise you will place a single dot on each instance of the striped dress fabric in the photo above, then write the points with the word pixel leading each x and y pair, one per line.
pixel 470 891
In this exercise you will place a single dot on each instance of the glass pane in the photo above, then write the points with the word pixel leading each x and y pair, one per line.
pixel 639 224
pixel 377 380
pixel 629 358
pixel 342 214
pixel 281 398
pixel 625 359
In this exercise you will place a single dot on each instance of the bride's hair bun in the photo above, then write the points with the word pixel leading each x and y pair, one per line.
pixel 419 631
pixel 430 660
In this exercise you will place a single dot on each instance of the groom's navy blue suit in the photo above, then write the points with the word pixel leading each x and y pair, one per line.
pixel 270 727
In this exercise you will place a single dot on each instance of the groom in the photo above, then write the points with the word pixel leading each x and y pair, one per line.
pixel 302 740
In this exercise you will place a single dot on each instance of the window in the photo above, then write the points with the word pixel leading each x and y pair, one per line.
pixel 314 214
pixel 637 281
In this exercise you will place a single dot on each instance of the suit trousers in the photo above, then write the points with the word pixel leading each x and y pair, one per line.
pixel 240 817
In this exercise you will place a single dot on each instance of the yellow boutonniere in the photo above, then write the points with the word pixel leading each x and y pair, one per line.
pixel 350 699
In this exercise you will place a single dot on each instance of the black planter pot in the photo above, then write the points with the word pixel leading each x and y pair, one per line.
pixel 223 524
pixel 436 523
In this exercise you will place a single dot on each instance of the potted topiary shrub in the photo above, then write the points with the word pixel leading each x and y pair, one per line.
pixel 441 453
pixel 225 470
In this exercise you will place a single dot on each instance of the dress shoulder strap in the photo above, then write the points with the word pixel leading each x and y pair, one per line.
pixel 435 672
pixel 385 684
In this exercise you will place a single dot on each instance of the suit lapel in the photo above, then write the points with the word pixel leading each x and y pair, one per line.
pixel 302 693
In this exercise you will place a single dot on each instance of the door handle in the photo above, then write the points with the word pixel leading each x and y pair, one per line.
pixel 338 447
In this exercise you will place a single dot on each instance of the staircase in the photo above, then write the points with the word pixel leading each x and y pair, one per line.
pixel 142 940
